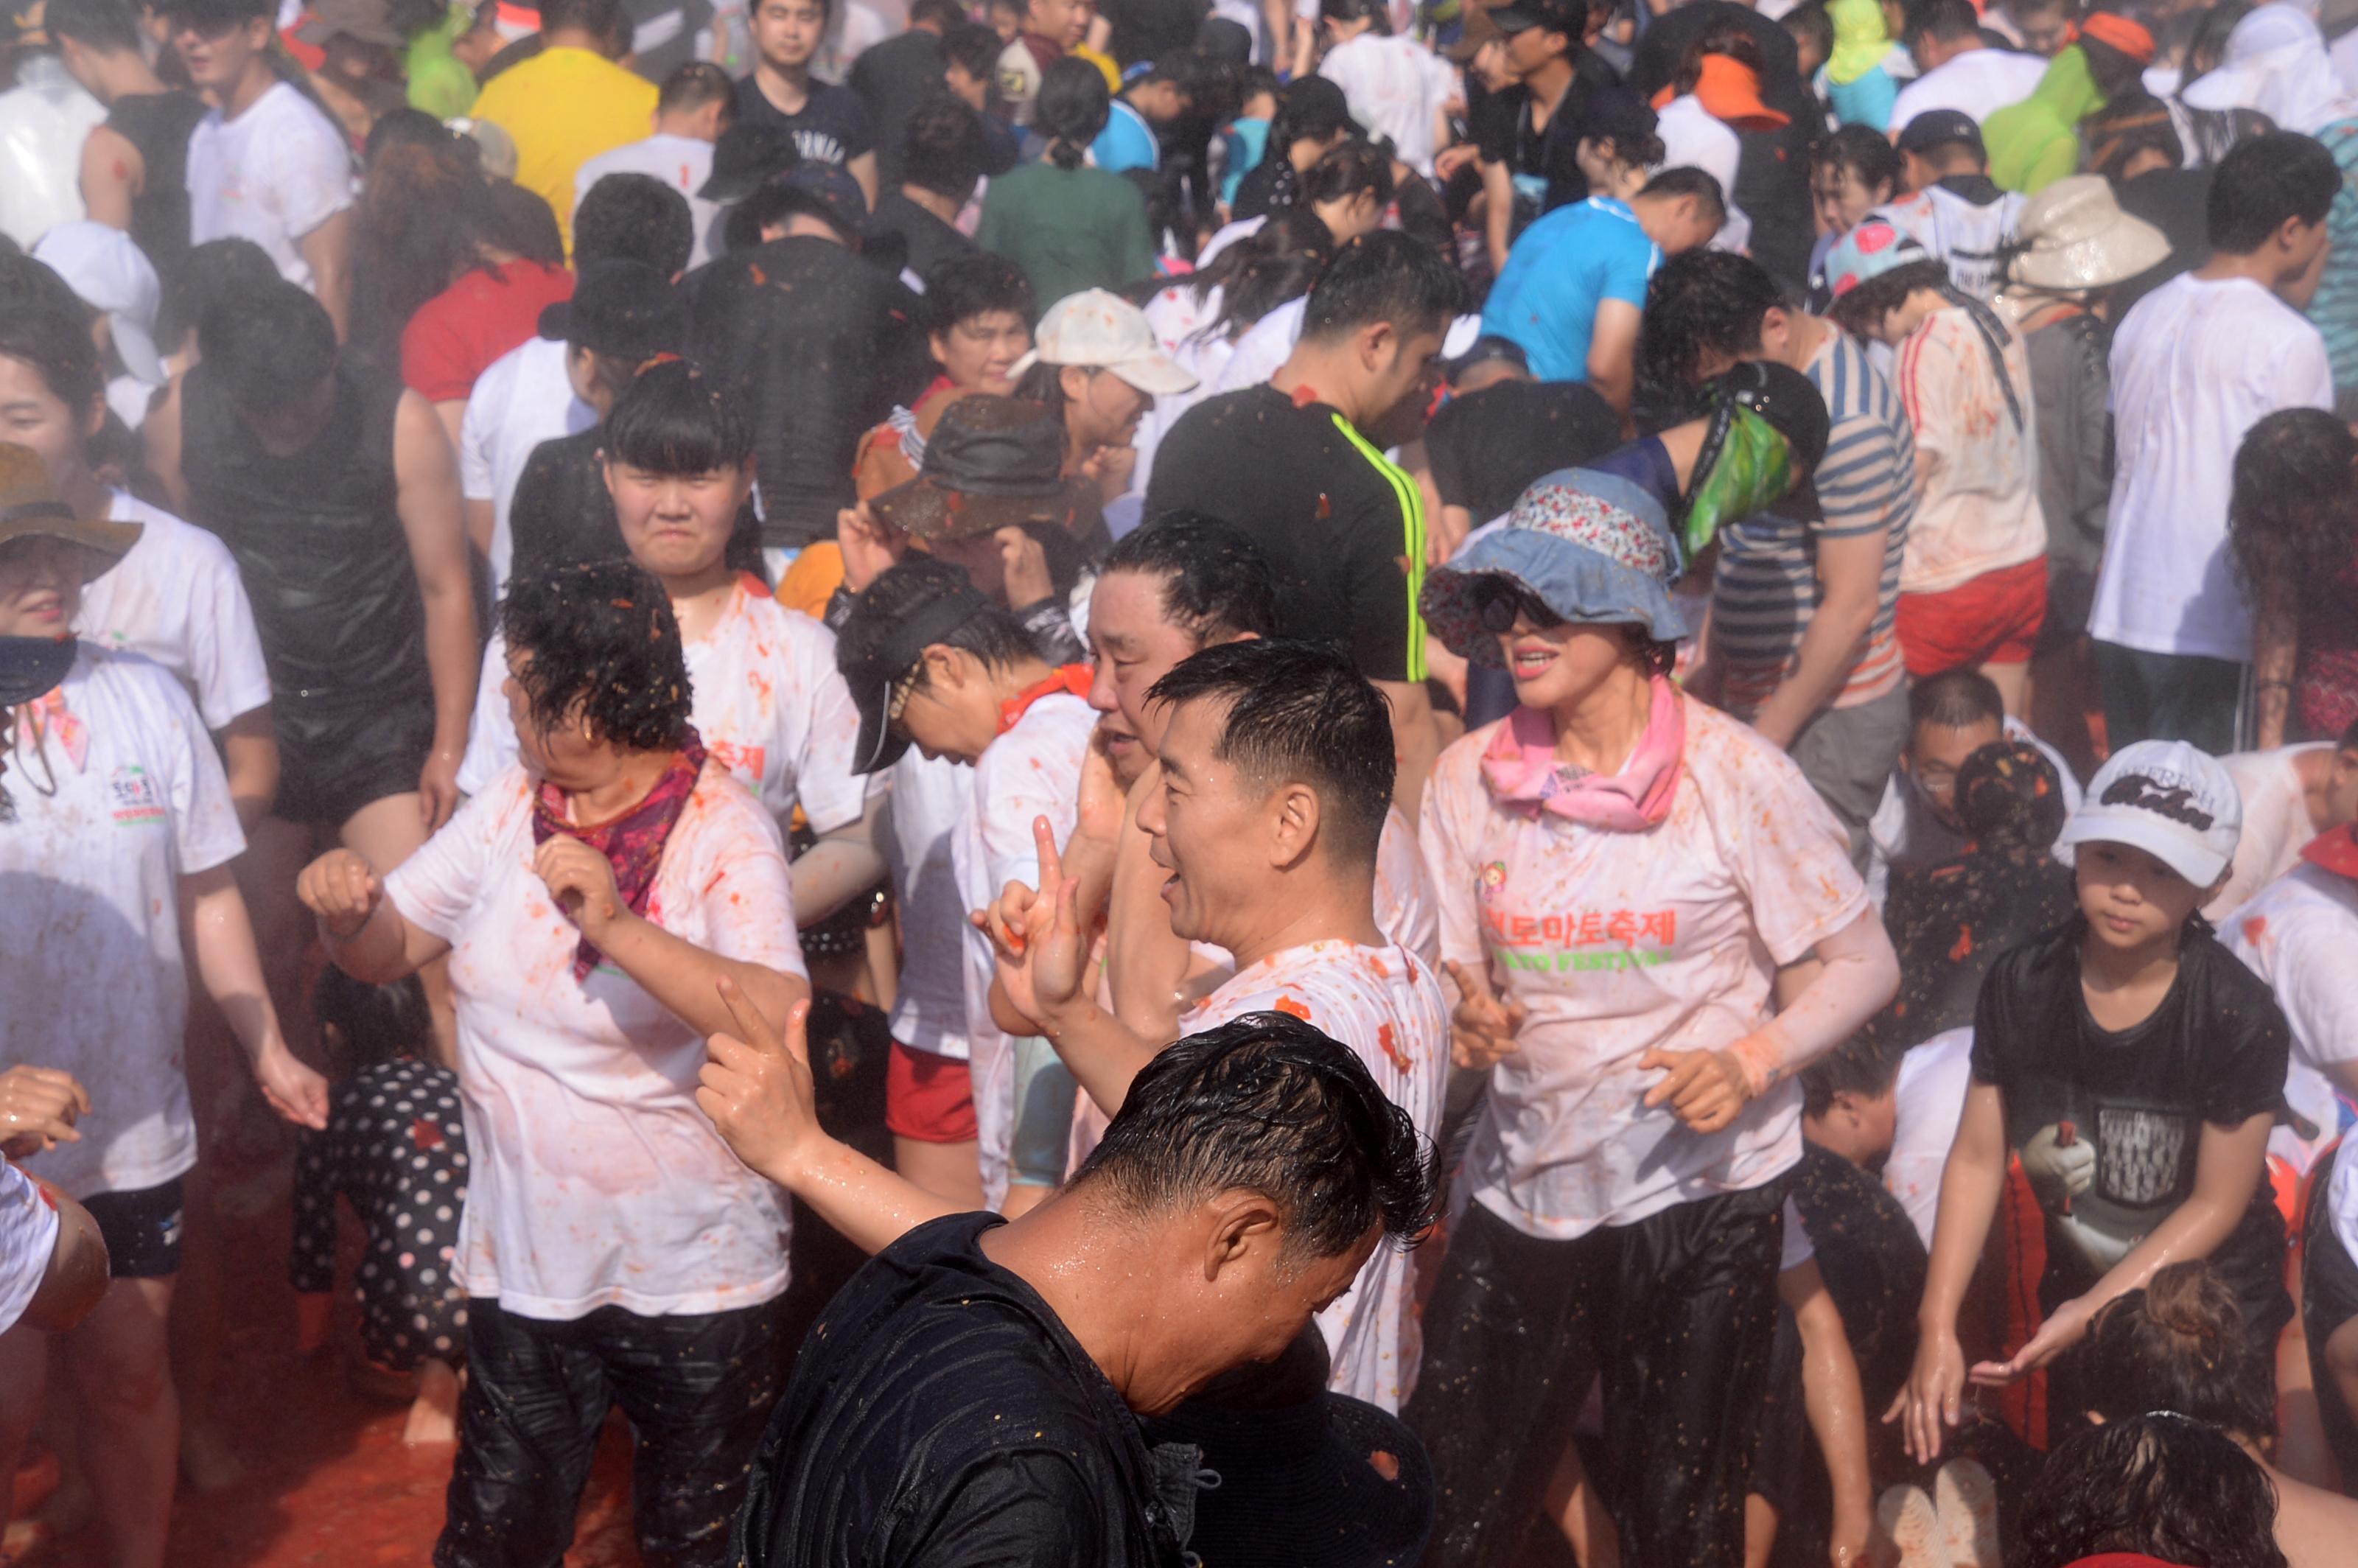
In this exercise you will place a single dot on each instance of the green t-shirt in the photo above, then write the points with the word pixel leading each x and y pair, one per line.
pixel 1068 229
pixel 439 82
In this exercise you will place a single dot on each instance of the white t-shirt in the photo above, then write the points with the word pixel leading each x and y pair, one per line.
pixel 1930 1100
pixel 1229 234
pixel 1266 344
pixel 522 399
pixel 684 163
pixel 1618 943
pixel 2195 365
pixel 176 597
pixel 272 176
pixel 1395 87
pixel 29 1239
pixel 764 696
pixel 2276 825
pixel 2342 1201
pixel 929 795
pixel 1905 834
pixel 2300 934
pixel 1032 771
pixel 1385 1004
pixel 90 915
pixel 1978 82
pixel 594 1180
pixel 1692 138
pixel 45 118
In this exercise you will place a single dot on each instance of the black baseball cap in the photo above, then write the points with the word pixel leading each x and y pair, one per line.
pixel 825 190
pixel 1568 17
pixel 871 680
pixel 32 667
pixel 1941 128
pixel 619 308
pixel 747 154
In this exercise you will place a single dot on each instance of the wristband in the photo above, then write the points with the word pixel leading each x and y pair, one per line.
pixel 1761 1055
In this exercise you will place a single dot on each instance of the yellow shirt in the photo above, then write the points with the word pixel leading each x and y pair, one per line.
pixel 1104 64
pixel 563 107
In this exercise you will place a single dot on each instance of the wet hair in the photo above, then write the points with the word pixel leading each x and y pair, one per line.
pixel 110 26
pixel 602 17
pixel 633 217
pixel 269 346
pixel 2293 515
pixel 601 637
pixel 1267 1104
pixel 1686 180
pixel 693 85
pixel 2010 799
pixel 1857 1067
pixel 1256 80
pixel 58 345
pixel 424 209
pixel 1704 302
pixel 1866 306
pixel 1276 263
pixel 1071 110
pixel 943 14
pixel 27 284
pixel 374 1024
pixel 208 273
pixel 2206 38
pixel 1949 21
pixel 992 633
pixel 1299 712
pixel 2180 1345
pixel 1956 699
pixel 1811 24
pixel 2125 126
pixel 1346 170
pixel 973 48
pixel 942 147
pixel 1385 276
pixel 520 222
pixel 673 419
pixel 1866 152
pixel 2162 1484
pixel 1725 38
pixel 1216 580
pixel 2109 69
pixel 407 127
pixel 971 283
pixel 2265 182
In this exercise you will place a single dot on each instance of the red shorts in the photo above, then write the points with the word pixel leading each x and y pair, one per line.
pixel 929 1099
pixel 1993 619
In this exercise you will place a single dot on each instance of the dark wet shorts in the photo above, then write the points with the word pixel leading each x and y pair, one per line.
pixel 141 1229
pixel 2329 1298
pixel 329 768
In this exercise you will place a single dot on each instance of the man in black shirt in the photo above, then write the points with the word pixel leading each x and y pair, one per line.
pixel 1527 134
pixel 1298 464
pixel 972 1396
pixel 895 76
pixel 939 159
pixel 828 123
pixel 135 167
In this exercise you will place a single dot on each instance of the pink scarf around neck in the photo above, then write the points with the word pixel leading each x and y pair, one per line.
pixel 1521 768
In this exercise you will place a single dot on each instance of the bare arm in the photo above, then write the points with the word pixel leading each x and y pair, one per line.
pixel 1850 580
pixel 365 935
pixel 214 912
pixel 113 174
pixel 1613 356
pixel 845 862
pixel 1498 215
pixel 327 250
pixel 1836 1405
pixel 161 437
pixel 1416 743
pixel 2274 642
pixel 250 757
pixel 76 1275
pixel 863 169
pixel 428 501
pixel 1971 1184
pixel 481 522
pixel 452 413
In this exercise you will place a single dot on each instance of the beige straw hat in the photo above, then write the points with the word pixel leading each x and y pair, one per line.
pixel 2076 237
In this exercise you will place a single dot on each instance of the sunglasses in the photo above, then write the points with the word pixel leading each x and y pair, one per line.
pixel 1499 604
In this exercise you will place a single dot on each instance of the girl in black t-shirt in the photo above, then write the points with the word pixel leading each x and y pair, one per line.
pixel 2135 1066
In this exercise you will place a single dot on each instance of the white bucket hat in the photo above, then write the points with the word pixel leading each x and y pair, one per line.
pixel 2079 238
pixel 1105 331
pixel 111 274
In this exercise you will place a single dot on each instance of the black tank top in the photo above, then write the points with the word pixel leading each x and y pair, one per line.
pixel 158 124
pixel 319 544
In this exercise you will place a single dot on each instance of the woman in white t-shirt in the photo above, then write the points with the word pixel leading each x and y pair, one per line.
pixel 1622 873
pixel 118 827
pixel 598 903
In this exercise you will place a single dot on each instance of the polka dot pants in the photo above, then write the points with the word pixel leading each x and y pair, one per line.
pixel 395 1149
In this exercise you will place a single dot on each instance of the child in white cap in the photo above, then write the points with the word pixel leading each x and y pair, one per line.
pixel 2135 1066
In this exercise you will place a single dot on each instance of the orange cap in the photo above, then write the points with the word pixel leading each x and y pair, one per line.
pixel 2130 38
pixel 1730 90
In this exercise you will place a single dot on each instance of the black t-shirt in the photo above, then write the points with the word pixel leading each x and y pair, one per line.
pixel 892 79
pixel 1342 525
pixel 1544 160
pixel 2213 1054
pixel 941 1416
pixel 1151 29
pixel 928 240
pixel 831 128
pixel 1950 922
pixel 158 124
pixel 1487 447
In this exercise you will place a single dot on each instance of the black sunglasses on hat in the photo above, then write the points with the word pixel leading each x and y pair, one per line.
pixel 1499 603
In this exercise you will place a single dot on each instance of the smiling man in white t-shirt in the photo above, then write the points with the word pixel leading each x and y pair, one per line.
pixel 2195 365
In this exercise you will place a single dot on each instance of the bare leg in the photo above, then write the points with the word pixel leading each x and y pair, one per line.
pixel 1760 1522
pixel 384 833
pixel 24 1373
pixel 131 1417
pixel 434 1415
pixel 2302 1451
pixel 2342 1365
pixel 2013 683
pixel 1573 1503
pixel 953 1171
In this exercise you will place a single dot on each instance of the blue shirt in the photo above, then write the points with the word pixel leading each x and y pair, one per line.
pixel 1562 268
pixel 1126 143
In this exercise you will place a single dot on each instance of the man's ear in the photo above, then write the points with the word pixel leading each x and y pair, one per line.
pixel 945 668
pixel 1378 344
pixel 1240 1223
pixel 1294 818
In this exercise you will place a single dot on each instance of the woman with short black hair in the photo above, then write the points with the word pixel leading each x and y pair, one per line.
pixel 1069 226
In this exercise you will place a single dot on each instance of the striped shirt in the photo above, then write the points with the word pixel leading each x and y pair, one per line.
pixel 1766 585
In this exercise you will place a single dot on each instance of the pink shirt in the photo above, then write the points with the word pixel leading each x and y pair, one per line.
pixel 1618 943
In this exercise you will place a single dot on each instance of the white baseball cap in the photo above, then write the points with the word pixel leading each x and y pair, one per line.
pixel 1105 331
pixel 111 274
pixel 2174 801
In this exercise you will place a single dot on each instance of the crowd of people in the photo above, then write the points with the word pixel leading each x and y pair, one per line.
pixel 1338 782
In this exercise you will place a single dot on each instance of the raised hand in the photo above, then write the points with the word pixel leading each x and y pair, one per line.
pixel 39 1108
pixel 342 889
pixel 1025 563
pixel 581 880
pixel 756 1086
pixel 1482 1028
pixel 870 546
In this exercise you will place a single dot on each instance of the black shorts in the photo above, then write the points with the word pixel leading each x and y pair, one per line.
pixel 2329 1298
pixel 141 1229
pixel 329 767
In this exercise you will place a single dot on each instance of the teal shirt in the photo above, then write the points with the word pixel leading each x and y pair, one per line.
pixel 2335 308
pixel 1068 229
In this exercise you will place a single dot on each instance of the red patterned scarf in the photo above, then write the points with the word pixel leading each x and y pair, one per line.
pixel 633 842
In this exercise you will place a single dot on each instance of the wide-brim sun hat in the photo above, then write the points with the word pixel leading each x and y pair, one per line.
pixel 1594 547
pixel 30 507
pixel 2077 237
pixel 992 463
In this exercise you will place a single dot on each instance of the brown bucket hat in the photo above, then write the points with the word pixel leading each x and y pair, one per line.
pixel 30 504
pixel 991 462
